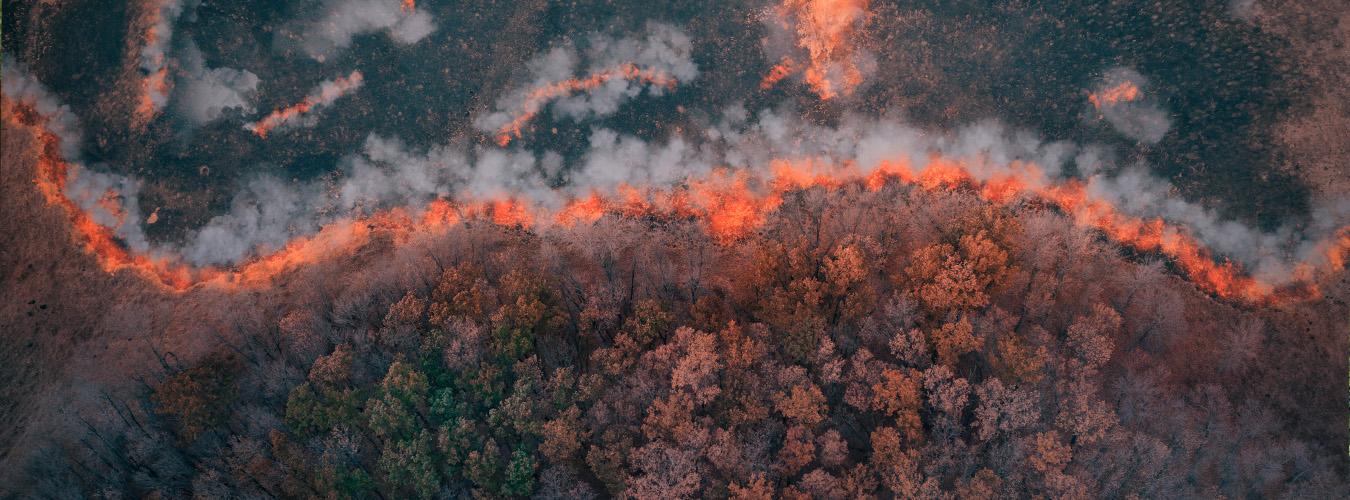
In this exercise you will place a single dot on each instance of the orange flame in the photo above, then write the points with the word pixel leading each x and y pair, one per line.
pixel 409 6
pixel 153 89
pixel 582 211
pixel 51 176
pixel 1336 250
pixel 324 95
pixel 1125 92
pixel 729 204
pixel 826 29
pixel 538 97
pixel 778 73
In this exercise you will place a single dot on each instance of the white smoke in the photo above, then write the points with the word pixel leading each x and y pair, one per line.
pixel 370 183
pixel 21 86
pixel 987 149
pixel 164 13
pixel 154 55
pixel 1245 10
pixel 320 97
pixel 86 188
pixel 111 200
pixel 203 94
pixel 1141 118
pixel 268 212
pixel 661 48
pixel 615 159
pixel 788 31
pixel 265 213
pixel 339 21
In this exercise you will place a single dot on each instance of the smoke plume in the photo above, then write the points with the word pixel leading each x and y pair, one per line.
pixel 110 200
pixel 1121 99
pixel 203 94
pixel 339 21
pixel 159 16
pixel 594 81
pixel 730 169
pixel 823 34
pixel 301 113
pixel 21 86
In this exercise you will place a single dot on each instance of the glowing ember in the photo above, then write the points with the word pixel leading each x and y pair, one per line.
pixel 778 73
pixel 324 95
pixel 537 98
pixel 1125 92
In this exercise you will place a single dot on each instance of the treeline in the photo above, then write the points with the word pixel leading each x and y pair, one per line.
pixel 891 344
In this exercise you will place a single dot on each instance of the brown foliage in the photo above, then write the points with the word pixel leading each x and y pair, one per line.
pixel 199 397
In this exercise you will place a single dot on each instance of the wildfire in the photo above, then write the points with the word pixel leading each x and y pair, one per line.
pixel 1336 250
pixel 98 240
pixel 1124 92
pixel 153 91
pixel 537 98
pixel 778 73
pixel 324 95
pixel 826 29
pixel 730 204
pixel 409 6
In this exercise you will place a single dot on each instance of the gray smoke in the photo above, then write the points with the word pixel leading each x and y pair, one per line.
pixel 84 186
pixel 264 214
pixel 339 21
pixel 1245 10
pixel 388 173
pixel 21 86
pixel 165 14
pixel 267 212
pixel 662 48
pixel 1141 119
pixel 154 55
pixel 322 96
pixel 203 94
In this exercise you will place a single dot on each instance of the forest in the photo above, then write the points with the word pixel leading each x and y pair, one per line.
pixel 801 249
pixel 893 343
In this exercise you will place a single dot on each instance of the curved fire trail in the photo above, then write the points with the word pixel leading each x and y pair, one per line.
pixel 323 95
pixel 537 98
pixel 826 30
pixel 730 204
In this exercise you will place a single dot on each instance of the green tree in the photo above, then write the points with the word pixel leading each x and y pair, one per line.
pixel 483 467
pixel 388 418
pixel 408 465
pixel 310 412
pixel 397 410
pixel 406 384
pixel 520 474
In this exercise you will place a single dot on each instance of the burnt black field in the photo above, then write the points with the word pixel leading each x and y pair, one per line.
pixel 1220 79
